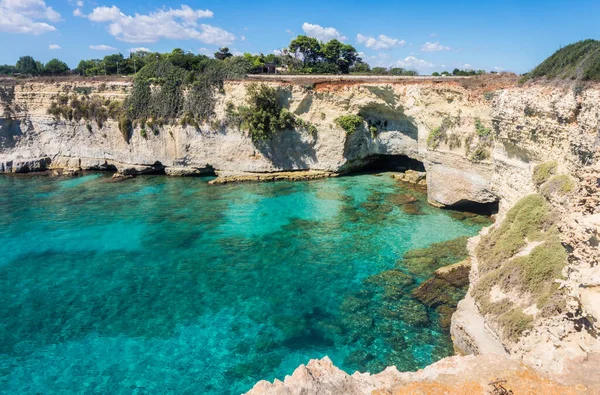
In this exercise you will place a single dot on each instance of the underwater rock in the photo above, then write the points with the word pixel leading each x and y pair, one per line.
pixel 399 199
pixel 412 209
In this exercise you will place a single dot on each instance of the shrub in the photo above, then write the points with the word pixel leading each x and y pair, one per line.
pixel 481 130
pixel 543 172
pixel 350 123
pixel 263 115
pixel 126 127
pixel 514 322
pixel 481 153
pixel 433 140
pixel 373 130
pixel 89 127
pixel 561 185
pixel 143 133
pixel 527 219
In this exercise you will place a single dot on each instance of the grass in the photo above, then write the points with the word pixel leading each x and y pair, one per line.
pixel 578 61
pixel 350 123
pixel 543 172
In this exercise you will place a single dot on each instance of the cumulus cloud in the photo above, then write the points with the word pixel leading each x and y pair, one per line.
pixel 27 16
pixel 379 42
pixel 77 12
pixel 102 47
pixel 174 24
pixel 53 46
pixel 322 33
pixel 139 49
pixel 411 62
pixel 434 47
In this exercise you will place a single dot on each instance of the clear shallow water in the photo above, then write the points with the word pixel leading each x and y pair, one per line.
pixel 168 285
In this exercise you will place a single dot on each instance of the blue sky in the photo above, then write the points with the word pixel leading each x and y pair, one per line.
pixel 423 35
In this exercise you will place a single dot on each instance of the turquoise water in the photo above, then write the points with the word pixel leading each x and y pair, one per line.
pixel 169 285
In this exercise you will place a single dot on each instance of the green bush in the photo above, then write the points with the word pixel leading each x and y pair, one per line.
pixel 350 123
pixel 514 322
pixel 481 130
pixel 126 127
pixel 526 220
pixel 561 185
pixel 433 140
pixel 480 154
pixel 543 172
pixel 143 133
pixel 263 115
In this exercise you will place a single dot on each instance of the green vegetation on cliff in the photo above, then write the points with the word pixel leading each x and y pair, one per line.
pixel 578 61
pixel 519 261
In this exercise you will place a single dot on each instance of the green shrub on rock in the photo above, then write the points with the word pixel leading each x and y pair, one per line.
pixel 560 185
pixel 126 127
pixel 263 115
pixel 350 123
pixel 543 172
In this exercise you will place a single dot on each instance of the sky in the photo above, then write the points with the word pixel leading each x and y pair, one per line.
pixel 423 35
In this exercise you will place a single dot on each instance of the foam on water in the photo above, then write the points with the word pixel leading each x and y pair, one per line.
pixel 165 285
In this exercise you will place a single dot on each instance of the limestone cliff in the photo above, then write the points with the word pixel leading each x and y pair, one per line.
pixel 479 141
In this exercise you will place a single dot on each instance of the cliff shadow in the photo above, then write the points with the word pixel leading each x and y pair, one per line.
pixel 9 129
pixel 288 150
pixel 388 118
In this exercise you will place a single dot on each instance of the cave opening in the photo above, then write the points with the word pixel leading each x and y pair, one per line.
pixel 398 163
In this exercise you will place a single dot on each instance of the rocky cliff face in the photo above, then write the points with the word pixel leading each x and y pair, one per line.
pixel 479 142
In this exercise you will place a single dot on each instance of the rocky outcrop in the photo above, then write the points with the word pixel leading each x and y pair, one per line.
pixel 484 374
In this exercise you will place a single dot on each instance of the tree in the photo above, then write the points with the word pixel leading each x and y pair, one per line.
pixel 379 70
pixel 55 67
pixel 7 69
pixel 223 53
pixel 28 65
pixel 308 47
pixel 456 72
pixel 344 55
pixel 360 67
pixel 112 63
pixel 435 74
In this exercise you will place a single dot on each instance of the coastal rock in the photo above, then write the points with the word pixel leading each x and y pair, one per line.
pixel 484 374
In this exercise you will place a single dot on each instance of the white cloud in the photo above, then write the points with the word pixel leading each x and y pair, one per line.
pixel 243 38
pixel 77 12
pixel 433 35
pixel 79 3
pixel 139 49
pixel 54 46
pixel 289 31
pixel 414 63
pixel 25 16
pixel 466 66
pixel 174 24
pixel 496 68
pixel 434 47
pixel 204 51
pixel 322 33
pixel 105 14
pixel 102 47
pixel 381 42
